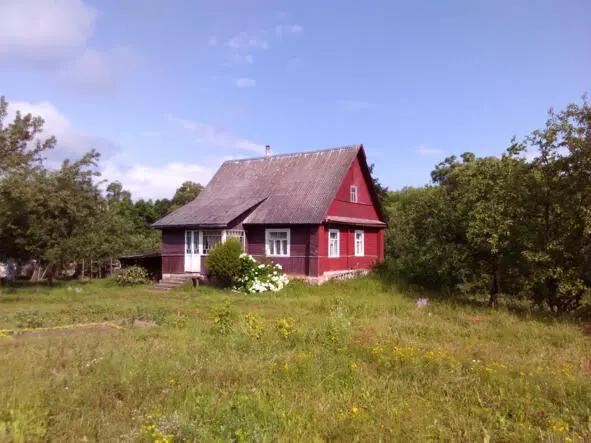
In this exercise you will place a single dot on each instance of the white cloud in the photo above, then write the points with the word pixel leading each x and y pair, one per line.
pixel 423 151
pixel 44 30
pixel 287 30
pixel 72 143
pixel 161 181
pixel 218 136
pixel 354 105
pixel 144 181
pixel 54 35
pixel 99 72
pixel 245 40
pixel 244 82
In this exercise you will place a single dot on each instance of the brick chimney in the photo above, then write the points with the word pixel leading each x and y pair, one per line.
pixel 267 151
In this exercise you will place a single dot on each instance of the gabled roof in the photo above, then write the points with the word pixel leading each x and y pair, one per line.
pixel 281 189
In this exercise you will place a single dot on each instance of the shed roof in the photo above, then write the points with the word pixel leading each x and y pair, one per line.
pixel 281 189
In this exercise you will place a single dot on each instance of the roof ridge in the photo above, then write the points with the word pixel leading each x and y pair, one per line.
pixel 293 154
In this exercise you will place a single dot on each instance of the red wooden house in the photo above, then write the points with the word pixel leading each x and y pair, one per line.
pixel 312 212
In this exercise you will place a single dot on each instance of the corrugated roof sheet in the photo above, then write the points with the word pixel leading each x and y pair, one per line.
pixel 288 189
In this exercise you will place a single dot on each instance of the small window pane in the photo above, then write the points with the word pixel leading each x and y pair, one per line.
pixel 188 242
pixel 210 240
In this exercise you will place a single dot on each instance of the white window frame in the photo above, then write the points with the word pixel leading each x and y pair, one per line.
pixel 267 237
pixel 362 242
pixel 355 191
pixel 338 232
pixel 210 233
pixel 235 233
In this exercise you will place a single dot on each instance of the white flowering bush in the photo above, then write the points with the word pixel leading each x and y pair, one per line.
pixel 259 277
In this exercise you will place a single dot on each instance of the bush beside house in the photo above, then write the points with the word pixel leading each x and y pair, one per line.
pixel 131 276
pixel 230 266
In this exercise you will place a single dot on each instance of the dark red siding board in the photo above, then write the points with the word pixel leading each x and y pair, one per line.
pixel 347 259
pixel 173 265
pixel 173 251
pixel 313 260
pixel 298 262
pixel 342 205
pixel 364 208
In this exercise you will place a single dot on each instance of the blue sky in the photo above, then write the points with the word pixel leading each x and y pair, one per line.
pixel 168 90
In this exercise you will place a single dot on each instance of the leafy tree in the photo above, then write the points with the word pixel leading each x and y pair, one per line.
pixel 186 193
pixel 504 225
pixel 60 216
pixel 19 145
pixel 382 191
pixel 162 207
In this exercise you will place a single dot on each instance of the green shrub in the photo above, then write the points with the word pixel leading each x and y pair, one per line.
pixel 134 275
pixel 259 277
pixel 223 262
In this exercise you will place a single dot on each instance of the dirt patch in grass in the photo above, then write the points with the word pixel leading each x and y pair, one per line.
pixel 73 330
pixel 144 324
pixel 479 318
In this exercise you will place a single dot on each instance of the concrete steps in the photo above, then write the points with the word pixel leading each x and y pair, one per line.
pixel 171 282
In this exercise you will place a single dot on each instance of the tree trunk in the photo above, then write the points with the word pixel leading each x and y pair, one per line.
pixel 36 271
pixel 495 289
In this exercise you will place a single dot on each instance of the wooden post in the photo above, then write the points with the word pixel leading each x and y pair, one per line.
pixel 82 268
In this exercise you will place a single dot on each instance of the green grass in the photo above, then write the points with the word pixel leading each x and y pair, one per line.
pixel 346 361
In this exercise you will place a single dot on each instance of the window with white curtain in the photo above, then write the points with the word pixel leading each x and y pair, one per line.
pixel 277 242
pixel 333 243
pixel 210 240
pixel 359 243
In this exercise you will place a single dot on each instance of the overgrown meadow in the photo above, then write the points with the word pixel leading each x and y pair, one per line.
pixel 354 360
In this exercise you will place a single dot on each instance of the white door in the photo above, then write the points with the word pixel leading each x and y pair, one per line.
pixel 192 251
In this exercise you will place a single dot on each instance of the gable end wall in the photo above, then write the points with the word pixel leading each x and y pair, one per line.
pixel 342 205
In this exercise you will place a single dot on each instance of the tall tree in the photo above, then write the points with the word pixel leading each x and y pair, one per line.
pixel 505 225
pixel 19 145
pixel 186 193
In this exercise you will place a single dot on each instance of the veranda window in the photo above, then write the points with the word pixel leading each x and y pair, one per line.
pixel 239 235
pixel 277 241
pixel 210 240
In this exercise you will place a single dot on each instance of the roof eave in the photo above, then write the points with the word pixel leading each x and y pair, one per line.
pixel 192 226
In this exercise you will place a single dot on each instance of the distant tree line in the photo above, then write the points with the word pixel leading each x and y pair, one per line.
pixel 58 217
pixel 518 225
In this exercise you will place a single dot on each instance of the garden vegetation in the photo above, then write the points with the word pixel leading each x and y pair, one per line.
pixel 346 361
